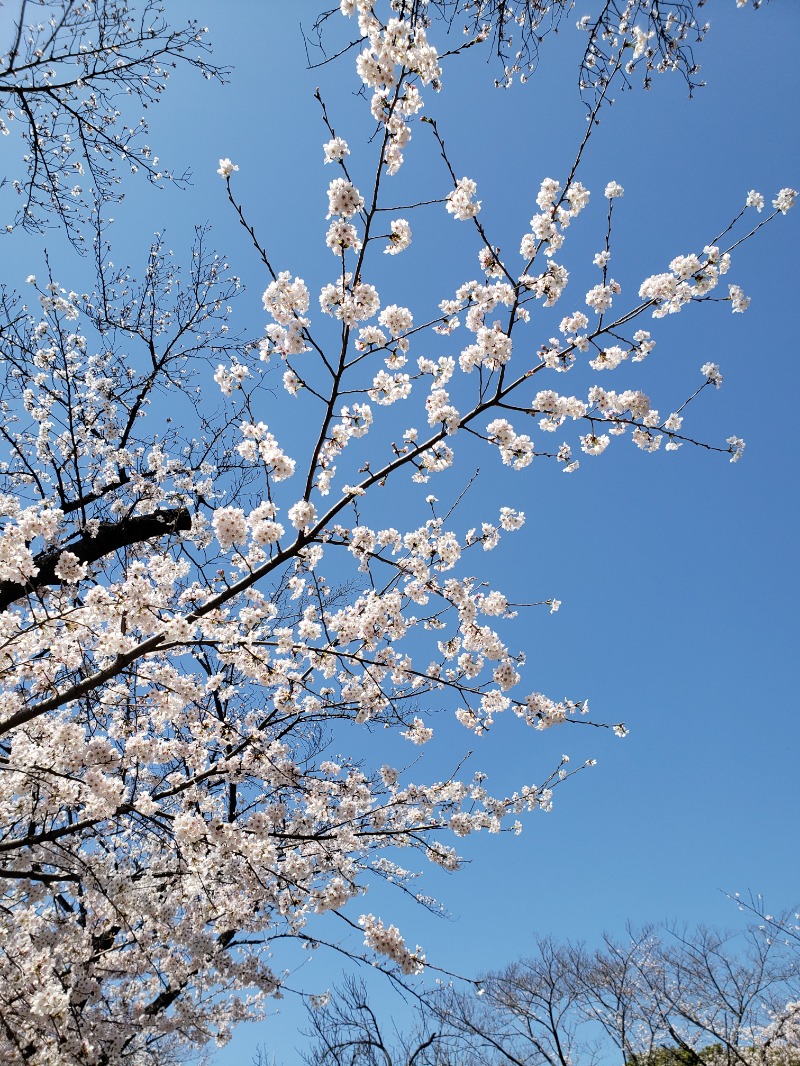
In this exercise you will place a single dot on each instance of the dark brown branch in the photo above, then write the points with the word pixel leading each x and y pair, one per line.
pixel 110 537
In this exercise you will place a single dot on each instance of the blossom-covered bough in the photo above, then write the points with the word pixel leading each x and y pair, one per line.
pixel 661 31
pixel 196 615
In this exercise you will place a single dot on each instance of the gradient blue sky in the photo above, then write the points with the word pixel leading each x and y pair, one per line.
pixel 677 572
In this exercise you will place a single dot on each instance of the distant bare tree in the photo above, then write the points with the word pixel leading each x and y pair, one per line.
pixel 74 79
pixel 657 997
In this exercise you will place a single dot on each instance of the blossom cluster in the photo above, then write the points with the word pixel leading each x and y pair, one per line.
pixel 397 58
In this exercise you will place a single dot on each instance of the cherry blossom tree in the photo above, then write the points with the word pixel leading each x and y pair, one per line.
pixel 196 617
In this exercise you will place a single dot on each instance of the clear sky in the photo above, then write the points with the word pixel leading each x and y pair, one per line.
pixel 677 572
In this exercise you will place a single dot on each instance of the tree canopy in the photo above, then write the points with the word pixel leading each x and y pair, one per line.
pixel 223 645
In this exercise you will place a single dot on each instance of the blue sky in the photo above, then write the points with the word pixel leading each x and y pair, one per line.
pixel 677 572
